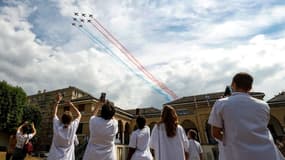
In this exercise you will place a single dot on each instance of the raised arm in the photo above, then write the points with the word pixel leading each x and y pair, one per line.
pixel 76 110
pixel 20 127
pixel 97 107
pixel 34 132
pixel 58 99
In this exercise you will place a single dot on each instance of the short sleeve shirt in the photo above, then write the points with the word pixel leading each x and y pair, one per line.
pixel 22 138
pixel 244 120
pixel 140 140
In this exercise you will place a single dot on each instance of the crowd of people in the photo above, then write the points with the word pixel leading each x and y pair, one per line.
pixel 238 121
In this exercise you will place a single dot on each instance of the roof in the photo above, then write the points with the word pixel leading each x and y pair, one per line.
pixel 208 97
pixel 280 98
pixel 83 98
pixel 89 97
pixel 147 112
pixel 59 90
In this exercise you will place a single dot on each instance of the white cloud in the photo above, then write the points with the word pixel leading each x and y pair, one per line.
pixel 180 59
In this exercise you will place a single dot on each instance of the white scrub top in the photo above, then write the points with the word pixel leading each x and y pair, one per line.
pixel 101 144
pixel 62 147
pixel 140 140
pixel 168 148
pixel 194 150
pixel 245 121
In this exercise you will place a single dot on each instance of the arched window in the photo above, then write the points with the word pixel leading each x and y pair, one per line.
pixel 188 124
pixel 275 128
pixel 119 135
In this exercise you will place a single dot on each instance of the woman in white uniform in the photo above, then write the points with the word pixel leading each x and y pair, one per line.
pixel 139 142
pixel 64 134
pixel 103 129
pixel 168 139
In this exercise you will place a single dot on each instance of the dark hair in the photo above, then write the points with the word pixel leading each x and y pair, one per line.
pixel 170 119
pixel 141 122
pixel 243 80
pixel 228 91
pixel 192 133
pixel 66 118
pixel 108 110
pixel 26 128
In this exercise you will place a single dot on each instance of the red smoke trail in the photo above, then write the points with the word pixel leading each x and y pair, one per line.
pixel 115 42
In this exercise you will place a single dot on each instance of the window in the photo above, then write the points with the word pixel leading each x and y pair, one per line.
pixel 80 128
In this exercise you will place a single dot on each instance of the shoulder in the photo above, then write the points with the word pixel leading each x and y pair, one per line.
pixel 180 128
pixel 258 101
pixel 134 133
pixel 221 101
pixel 114 121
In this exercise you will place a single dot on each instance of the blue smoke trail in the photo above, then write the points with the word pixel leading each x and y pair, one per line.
pixel 111 53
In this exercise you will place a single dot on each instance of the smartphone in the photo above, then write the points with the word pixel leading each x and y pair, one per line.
pixel 103 97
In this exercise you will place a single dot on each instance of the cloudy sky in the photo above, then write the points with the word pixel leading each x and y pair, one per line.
pixel 193 46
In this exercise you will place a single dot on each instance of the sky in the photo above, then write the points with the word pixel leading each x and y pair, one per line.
pixel 192 47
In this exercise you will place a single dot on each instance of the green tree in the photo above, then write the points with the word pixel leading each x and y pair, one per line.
pixel 13 104
pixel 32 114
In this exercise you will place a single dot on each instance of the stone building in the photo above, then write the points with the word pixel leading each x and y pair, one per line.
pixel 193 112
pixel 84 101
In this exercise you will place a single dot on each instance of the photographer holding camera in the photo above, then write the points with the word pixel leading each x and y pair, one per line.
pixel 64 132
pixel 103 129
pixel 23 136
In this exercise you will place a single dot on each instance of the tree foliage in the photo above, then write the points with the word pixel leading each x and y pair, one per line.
pixel 13 105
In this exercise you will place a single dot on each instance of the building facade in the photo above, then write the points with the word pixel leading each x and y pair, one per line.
pixel 193 112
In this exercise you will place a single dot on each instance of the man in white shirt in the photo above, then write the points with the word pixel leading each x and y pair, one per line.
pixel 240 122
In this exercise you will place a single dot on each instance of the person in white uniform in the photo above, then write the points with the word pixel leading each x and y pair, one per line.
pixel 195 149
pixel 139 142
pixel 103 129
pixel 227 93
pixel 168 139
pixel 64 133
pixel 240 122
pixel 23 136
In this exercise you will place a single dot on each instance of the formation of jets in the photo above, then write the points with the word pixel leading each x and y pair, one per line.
pixel 81 19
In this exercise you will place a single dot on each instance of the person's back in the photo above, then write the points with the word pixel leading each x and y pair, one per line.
pixel 64 133
pixel 168 139
pixel 143 136
pixel 240 122
pixel 103 129
pixel 195 149
pixel 246 120
pixel 22 137
pixel 102 132
pixel 169 148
